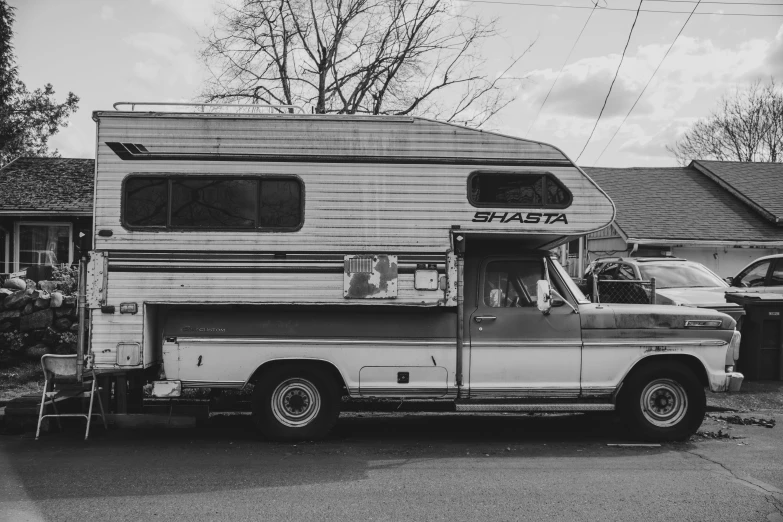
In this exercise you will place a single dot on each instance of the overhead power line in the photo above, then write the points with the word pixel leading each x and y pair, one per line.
pixel 648 83
pixel 617 72
pixel 532 4
pixel 561 69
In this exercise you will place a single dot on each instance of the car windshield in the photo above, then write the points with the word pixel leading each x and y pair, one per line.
pixel 680 275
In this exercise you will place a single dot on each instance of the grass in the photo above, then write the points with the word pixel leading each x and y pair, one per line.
pixel 23 379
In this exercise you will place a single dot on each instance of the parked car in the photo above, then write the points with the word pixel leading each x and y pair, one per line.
pixel 762 275
pixel 677 281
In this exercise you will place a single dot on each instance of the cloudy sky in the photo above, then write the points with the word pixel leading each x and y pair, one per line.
pixel 146 50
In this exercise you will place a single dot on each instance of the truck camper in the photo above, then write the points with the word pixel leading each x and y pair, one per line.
pixel 325 258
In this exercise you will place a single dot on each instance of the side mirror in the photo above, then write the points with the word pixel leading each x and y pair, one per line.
pixel 729 280
pixel 544 296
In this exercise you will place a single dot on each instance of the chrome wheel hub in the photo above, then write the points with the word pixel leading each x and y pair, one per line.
pixel 664 402
pixel 295 402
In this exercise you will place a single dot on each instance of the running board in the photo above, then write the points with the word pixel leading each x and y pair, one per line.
pixel 534 407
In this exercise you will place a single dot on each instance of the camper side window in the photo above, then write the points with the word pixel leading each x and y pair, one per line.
pixel 517 189
pixel 210 203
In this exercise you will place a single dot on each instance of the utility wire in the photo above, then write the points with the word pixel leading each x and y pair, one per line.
pixel 526 4
pixel 561 69
pixel 648 83
pixel 616 74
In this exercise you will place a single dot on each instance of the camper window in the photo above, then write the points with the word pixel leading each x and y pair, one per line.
pixel 516 189
pixel 208 203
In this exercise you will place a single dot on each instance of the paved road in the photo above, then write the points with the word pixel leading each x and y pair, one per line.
pixel 396 467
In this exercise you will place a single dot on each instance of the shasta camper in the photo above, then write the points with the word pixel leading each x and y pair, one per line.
pixel 321 259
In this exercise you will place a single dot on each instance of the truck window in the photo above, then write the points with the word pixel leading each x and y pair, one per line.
pixel 515 189
pixel 211 203
pixel 509 284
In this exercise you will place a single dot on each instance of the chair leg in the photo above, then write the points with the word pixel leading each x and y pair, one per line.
pixel 59 424
pixel 89 412
pixel 100 405
pixel 40 412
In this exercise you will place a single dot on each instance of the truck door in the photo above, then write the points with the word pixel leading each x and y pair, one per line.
pixel 515 350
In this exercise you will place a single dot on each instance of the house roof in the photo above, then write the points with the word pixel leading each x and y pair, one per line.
pixel 47 186
pixel 680 204
pixel 759 185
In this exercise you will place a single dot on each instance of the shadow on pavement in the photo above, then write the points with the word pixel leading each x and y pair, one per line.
pixel 227 454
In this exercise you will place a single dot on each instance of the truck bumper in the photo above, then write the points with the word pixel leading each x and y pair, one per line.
pixel 726 382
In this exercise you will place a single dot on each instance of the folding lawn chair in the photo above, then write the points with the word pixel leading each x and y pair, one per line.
pixel 60 371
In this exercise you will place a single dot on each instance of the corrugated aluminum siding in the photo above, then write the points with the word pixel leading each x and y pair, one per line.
pixel 349 207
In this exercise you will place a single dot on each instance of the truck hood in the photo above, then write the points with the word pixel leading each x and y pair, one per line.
pixel 636 317
pixel 701 297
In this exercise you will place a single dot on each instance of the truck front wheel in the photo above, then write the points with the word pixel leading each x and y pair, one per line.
pixel 291 403
pixel 663 401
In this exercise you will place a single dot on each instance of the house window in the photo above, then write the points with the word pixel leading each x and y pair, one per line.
pixel 43 243
pixel 516 189
pixel 211 203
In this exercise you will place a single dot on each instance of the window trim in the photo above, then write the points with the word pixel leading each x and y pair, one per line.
pixel 169 176
pixel 17 238
pixel 777 262
pixel 483 275
pixel 544 205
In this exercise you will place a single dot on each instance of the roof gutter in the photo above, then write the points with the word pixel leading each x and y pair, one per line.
pixel 689 242
pixel 45 213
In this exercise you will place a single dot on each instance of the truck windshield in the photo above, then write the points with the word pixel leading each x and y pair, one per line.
pixel 680 275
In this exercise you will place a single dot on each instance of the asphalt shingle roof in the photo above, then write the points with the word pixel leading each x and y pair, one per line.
pixel 680 204
pixel 761 183
pixel 47 185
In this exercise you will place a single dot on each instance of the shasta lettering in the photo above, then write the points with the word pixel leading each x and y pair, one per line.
pixel 530 217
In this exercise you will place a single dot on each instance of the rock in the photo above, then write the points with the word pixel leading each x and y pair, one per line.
pixel 38 294
pixel 69 300
pixel 62 324
pixel 35 320
pixel 56 300
pixel 41 303
pixel 15 284
pixel 62 311
pixel 5 327
pixel 74 328
pixel 48 286
pixel 36 351
pixel 30 286
pixel 16 300
pixel 28 309
pixel 5 292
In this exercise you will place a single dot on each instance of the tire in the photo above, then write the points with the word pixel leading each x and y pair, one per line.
pixel 662 401
pixel 292 403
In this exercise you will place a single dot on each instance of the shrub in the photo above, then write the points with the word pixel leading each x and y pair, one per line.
pixel 68 276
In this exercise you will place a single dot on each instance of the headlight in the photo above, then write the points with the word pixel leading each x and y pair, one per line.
pixel 734 345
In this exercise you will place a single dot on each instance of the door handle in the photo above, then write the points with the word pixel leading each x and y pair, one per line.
pixel 480 318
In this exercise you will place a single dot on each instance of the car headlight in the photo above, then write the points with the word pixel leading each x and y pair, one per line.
pixel 734 345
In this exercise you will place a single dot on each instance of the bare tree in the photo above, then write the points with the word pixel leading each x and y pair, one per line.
pixel 356 56
pixel 748 126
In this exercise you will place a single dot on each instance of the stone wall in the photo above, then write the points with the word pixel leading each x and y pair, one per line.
pixel 36 318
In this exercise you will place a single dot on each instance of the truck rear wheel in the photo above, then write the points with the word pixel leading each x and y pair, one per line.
pixel 663 401
pixel 291 403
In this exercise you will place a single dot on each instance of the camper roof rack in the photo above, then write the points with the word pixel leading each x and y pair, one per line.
pixel 253 106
